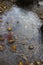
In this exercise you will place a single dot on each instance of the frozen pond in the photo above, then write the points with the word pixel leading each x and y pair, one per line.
pixel 25 25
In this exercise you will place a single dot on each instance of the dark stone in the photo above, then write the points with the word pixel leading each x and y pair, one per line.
pixel 41 28
pixel 26 2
